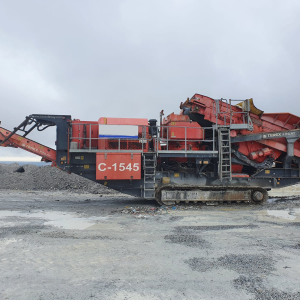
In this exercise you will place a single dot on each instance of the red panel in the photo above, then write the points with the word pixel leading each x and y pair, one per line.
pixel 284 120
pixel 236 168
pixel 240 175
pixel 192 132
pixel 118 166
pixel 81 133
pixel 178 126
pixel 123 121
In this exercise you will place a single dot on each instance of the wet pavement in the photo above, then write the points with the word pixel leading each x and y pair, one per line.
pixel 60 245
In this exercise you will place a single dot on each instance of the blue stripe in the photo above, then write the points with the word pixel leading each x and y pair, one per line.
pixel 119 136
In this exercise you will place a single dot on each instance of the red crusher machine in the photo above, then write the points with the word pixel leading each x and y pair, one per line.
pixel 214 150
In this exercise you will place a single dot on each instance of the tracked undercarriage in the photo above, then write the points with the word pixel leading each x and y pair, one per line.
pixel 171 195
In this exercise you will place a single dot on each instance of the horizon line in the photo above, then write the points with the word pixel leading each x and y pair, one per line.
pixel 20 158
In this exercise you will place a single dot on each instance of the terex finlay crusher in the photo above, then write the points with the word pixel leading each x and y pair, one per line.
pixel 214 150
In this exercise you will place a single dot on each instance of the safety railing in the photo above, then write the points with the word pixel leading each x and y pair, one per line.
pixel 184 138
pixel 222 109
pixel 82 138
pixel 168 138
pixel 219 113
pixel 247 122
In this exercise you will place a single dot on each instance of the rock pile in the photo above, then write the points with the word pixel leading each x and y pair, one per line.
pixel 47 178
pixel 144 211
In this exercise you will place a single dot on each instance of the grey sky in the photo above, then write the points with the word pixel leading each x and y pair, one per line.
pixel 134 58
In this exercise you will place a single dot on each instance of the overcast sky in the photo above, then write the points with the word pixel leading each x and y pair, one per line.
pixel 135 58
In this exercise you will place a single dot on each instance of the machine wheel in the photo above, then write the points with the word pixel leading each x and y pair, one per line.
pixel 259 196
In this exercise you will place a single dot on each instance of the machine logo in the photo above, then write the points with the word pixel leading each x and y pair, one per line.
pixel 118 166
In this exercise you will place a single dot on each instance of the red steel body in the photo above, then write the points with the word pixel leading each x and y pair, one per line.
pixel 178 127
pixel 267 122
pixel 82 131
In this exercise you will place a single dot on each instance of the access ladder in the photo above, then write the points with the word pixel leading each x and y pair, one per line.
pixel 149 165
pixel 224 153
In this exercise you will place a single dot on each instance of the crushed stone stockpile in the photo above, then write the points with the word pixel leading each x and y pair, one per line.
pixel 47 178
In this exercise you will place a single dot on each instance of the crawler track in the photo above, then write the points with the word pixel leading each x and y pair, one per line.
pixel 172 194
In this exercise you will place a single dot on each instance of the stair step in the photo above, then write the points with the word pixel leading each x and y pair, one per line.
pixel 149 164
pixel 225 151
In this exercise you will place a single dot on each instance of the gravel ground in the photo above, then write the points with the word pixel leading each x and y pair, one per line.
pixel 62 244
pixel 47 178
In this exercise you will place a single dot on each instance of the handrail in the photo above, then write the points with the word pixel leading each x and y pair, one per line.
pixel 217 112
pixel 144 140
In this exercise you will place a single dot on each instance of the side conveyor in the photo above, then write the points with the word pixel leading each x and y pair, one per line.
pixel 17 141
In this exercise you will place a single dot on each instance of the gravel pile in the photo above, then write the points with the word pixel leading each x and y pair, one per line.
pixel 187 240
pixel 255 285
pixel 187 229
pixel 141 212
pixel 243 264
pixel 144 211
pixel 46 178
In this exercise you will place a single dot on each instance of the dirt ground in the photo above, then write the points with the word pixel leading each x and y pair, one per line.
pixel 62 245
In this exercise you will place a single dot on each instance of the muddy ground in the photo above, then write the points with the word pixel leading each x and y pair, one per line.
pixel 65 245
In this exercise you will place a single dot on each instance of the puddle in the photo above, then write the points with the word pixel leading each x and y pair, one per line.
pixel 291 214
pixel 281 199
pixel 273 200
pixel 56 219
